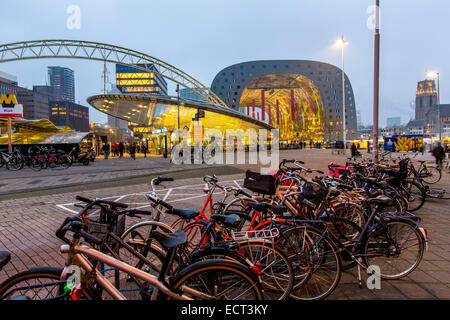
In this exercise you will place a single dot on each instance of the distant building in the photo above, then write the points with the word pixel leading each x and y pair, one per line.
pixel 416 127
pixel 62 80
pixel 35 104
pixel 432 118
pixel 358 119
pixel 393 122
pixel 189 94
pixel 426 98
pixel 65 113
pixel 8 84
pixel 131 80
pixel 47 90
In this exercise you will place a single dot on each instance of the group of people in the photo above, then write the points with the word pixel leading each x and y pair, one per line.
pixel 118 149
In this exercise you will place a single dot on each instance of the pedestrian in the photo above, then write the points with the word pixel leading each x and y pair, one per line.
pixel 106 150
pixel 353 150
pixel 144 150
pixel 133 151
pixel 115 149
pixel 439 154
pixel 121 148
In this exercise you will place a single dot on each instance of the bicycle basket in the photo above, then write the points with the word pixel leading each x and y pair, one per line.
pixel 97 223
pixel 314 192
pixel 259 183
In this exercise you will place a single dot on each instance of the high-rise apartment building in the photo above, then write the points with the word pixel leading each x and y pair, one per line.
pixel 62 80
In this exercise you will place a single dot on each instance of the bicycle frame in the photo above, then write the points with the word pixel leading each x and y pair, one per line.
pixel 77 254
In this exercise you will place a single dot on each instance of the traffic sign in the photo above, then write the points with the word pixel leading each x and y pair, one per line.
pixel 9 108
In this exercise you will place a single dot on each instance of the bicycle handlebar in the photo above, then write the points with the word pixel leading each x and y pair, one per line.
pixel 99 201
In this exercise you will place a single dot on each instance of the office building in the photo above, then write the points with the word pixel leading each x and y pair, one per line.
pixel 65 113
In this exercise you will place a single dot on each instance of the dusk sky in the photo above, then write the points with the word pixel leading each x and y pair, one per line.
pixel 201 37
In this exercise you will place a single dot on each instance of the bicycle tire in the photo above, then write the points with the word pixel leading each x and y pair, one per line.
pixel 430 175
pixel 237 276
pixel 372 246
pixel 415 194
pixel 317 258
pixel 46 273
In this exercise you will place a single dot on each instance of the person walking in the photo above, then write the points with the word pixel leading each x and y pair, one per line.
pixel 133 151
pixel 353 150
pixel 144 150
pixel 106 150
pixel 115 149
pixel 439 154
pixel 121 148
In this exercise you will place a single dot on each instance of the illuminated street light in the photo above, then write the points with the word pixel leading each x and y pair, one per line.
pixel 342 43
pixel 434 74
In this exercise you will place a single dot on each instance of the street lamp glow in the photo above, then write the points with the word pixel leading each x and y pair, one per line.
pixel 433 74
pixel 341 42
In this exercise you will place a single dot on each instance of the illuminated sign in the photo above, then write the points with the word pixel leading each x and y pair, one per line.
pixel 159 131
pixel 9 108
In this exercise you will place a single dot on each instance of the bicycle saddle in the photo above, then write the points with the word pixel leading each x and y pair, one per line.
pixel 170 240
pixel 382 201
pixel 264 206
pixel 185 214
pixel 231 221
pixel 4 258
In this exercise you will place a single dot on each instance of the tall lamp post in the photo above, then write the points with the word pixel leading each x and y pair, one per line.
pixel 436 75
pixel 376 84
pixel 342 43
pixel 178 104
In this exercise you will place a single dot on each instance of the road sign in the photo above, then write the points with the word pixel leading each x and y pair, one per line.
pixel 9 108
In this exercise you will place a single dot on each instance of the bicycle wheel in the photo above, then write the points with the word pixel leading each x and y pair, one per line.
pixel 15 164
pixel 430 175
pixel 415 194
pixel 36 164
pixel 197 235
pixel 277 273
pixel 396 248
pixel 138 237
pixel 218 279
pixel 316 261
pixel 41 283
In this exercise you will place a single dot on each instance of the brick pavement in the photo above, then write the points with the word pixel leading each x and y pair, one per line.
pixel 27 229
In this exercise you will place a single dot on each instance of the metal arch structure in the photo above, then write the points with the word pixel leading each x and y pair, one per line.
pixel 74 49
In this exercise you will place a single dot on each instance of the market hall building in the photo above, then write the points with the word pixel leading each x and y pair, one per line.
pixel 302 98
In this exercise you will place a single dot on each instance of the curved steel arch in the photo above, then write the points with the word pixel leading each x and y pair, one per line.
pixel 41 49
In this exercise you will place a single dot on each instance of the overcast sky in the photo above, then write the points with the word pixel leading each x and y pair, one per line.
pixel 201 37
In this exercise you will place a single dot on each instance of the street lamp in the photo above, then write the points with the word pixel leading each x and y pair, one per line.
pixel 342 43
pixel 436 75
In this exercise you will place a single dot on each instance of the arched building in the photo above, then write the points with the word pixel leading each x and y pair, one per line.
pixel 302 98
